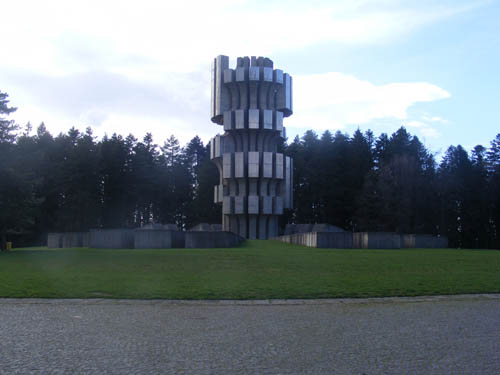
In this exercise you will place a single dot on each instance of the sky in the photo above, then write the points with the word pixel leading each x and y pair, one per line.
pixel 135 67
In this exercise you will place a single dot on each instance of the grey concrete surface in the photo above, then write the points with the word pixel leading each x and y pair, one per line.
pixel 255 180
pixel 211 239
pixel 327 240
pixel 425 335
pixel 158 239
pixel 112 238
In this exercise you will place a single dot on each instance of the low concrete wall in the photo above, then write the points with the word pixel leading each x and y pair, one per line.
pixel 332 240
pixel 205 227
pixel 75 239
pixel 426 241
pixel 310 228
pixel 54 240
pixel 303 239
pixel 326 228
pixel 112 238
pixel 201 227
pixel 207 239
pixel 68 239
pixel 376 240
pixel 158 239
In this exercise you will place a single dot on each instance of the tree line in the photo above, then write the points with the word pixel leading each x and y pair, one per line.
pixel 393 183
pixel 74 182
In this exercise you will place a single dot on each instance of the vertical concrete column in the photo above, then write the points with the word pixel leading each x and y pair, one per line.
pixel 250 102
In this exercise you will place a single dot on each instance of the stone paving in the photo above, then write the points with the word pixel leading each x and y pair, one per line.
pixel 422 335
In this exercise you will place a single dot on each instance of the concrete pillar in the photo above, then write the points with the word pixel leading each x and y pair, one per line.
pixel 250 102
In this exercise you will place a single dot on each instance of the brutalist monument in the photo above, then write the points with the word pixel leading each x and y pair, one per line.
pixel 255 184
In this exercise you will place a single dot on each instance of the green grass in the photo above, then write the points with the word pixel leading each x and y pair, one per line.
pixel 256 270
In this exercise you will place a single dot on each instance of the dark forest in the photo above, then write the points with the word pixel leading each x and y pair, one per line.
pixel 360 182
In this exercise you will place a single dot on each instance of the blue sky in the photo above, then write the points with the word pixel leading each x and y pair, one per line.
pixel 120 67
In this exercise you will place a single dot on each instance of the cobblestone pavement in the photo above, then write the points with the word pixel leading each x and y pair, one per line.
pixel 423 335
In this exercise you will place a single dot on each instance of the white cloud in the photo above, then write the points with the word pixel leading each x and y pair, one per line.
pixel 425 129
pixel 437 119
pixel 113 64
pixel 67 36
pixel 334 100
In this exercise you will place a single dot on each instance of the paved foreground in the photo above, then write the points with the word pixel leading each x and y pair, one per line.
pixel 425 335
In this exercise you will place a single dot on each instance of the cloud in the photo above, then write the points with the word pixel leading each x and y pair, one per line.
pixel 426 129
pixel 112 102
pixel 334 100
pixel 120 62
pixel 435 119
pixel 61 36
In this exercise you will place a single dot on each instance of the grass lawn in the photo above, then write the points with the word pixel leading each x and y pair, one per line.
pixel 256 270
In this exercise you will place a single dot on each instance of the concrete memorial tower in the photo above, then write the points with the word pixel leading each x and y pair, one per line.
pixel 255 184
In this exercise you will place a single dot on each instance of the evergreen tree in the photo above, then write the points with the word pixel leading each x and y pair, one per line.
pixel 17 200
pixel 7 127
pixel 493 168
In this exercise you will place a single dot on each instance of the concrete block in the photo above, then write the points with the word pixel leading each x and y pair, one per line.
pixel 216 227
pixel 262 226
pixel 253 164
pixel 376 240
pixel 201 227
pixel 267 165
pixel 228 205
pixel 424 241
pixel 278 121
pixel 253 204
pixel 216 144
pixel 239 165
pixel 54 240
pixel 284 96
pixel 227 162
pixel 252 227
pixel 75 239
pixel 326 228
pixel 229 76
pixel 241 74
pixel 221 99
pixel 228 120
pixel 272 226
pixel 334 240
pixel 266 205
pixel 239 205
pixel 158 239
pixel 218 193
pixel 290 229
pixel 112 238
pixel 239 119
pixel 253 73
pixel 157 226
pixel 268 119
pixel 253 118
pixel 303 228
pixel 329 240
pixel 277 206
pixel 219 146
pixel 242 187
pixel 212 240
pixel 242 226
pixel 170 226
pixel 268 74
pixel 283 133
pixel 279 169
pixel 278 76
